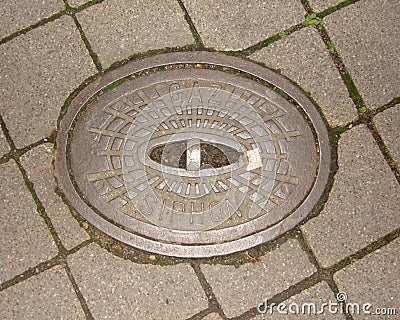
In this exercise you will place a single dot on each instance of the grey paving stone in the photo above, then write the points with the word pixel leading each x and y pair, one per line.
pixel 48 295
pixel 303 57
pixel 4 147
pixel 243 288
pixel 374 280
pixel 25 240
pixel 363 203
pixel 388 125
pixel 212 316
pixel 118 29
pixel 39 70
pixel 37 163
pixel 119 289
pixel 319 5
pixel 77 3
pixel 309 304
pixel 15 15
pixel 235 25
pixel 366 37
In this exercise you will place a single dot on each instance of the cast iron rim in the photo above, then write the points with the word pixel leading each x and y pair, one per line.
pixel 192 250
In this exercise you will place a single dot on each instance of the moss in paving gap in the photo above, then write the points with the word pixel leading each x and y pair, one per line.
pixel 89 48
pixel 39 206
pixel 306 6
pixel 40 209
pixel 386 106
pixel 313 20
pixel 193 30
pixel 264 43
pixel 337 7
pixel 32 271
pixel 345 75
pixel 33 26
pixel 334 136
pixel 384 150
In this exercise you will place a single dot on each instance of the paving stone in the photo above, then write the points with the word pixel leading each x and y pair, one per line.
pixel 303 57
pixel 120 289
pixel 366 37
pixel 212 316
pixel 39 70
pixel 319 5
pixel 307 305
pixel 25 240
pixel 235 25
pixel 375 280
pixel 243 288
pixel 388 125
pixel 15 16
pixel 48 295
pixel 76 3
pixel 37 163
pixel 4 147
pixel 363 203
pixel 118 29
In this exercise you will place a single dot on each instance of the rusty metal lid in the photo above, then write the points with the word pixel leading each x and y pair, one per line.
pixel 192 154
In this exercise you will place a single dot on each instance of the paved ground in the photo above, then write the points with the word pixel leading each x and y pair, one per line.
pixel 346 56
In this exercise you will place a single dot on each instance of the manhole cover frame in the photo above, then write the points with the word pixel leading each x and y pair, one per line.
pixel 206 250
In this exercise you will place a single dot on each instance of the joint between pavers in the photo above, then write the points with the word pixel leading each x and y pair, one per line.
pixel 307 6
pixel 40 208
pixel 89 48
pixel 82 301
pixel 200 315
pixel 343 71
pixel 308 250
pixel 384 150
pixel 362 253
pixel 266 42
pixel 40 23
pixel 31 272
pixel 213 303
pixel 337 7
pixel 193 30
pixel 284 295
pixel 59 259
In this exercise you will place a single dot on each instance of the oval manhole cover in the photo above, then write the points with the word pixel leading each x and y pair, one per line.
pixel 192 154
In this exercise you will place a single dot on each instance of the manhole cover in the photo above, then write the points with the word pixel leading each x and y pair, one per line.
pixel 192 154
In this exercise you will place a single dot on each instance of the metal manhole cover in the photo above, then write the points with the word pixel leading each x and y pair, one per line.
pixel 192 154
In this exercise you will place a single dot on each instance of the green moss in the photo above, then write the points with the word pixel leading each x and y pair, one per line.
pixel 312 20
pixel 363 110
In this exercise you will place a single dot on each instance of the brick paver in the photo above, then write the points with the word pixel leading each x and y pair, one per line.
pixel 116 29
pixel 15 15
pixel 366 36
pixel 37 163
pixel 25 240
pixel 388 125
pixel 240 289
pixel 48 295
pixel 120 289
pixel 302 57
pixel 235 25
pixel 39 70
pixel 373 280
pixel 363 203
